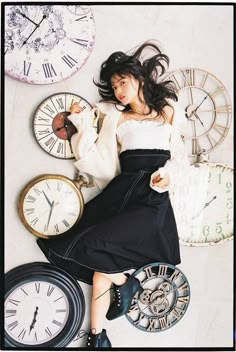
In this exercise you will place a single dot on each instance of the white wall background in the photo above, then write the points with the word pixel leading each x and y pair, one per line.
pixel 191 35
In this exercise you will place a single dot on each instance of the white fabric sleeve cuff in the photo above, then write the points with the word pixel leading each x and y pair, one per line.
pixel 162 171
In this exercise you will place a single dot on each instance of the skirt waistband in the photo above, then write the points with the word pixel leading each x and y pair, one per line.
pixel 148 160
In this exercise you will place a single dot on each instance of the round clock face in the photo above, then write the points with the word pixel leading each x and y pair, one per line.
pixel 209 219
pixel 52 129
pixel 164 300
pixel 208 109
pixel 44 306
pixel 47 43
pixel 50 205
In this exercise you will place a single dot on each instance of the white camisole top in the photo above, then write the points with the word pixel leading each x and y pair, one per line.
pixel 134 134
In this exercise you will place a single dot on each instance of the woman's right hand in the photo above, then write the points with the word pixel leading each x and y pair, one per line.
pixel 75 108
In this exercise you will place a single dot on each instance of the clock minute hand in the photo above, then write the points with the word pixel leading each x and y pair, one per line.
pixel 37 25
pixel 193 112
pixel 206 205
pixel 68 138
pixel 50 214
pixel 34 320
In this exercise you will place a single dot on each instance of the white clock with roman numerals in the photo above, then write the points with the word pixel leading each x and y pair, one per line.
pixel 208 109
pixel 49 205
pixel 52 129
pixel 44 306
pixel 46 44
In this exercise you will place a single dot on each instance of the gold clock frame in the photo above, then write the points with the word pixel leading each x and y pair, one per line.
pixel 33 182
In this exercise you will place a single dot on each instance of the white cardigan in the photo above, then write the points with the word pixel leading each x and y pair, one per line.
pixel 97 155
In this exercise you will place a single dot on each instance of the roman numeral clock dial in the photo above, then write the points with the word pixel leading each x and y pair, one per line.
pixel 47 43
pixel 208 109
pixel 52 129
pixel 49 205
pixel 44 306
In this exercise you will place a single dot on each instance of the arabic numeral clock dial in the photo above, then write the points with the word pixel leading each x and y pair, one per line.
pixel 51 127
pixel 164 300
pixel 46 44
pixel 44 306
pixel 208 109
pixel 209 219
pixel 49 205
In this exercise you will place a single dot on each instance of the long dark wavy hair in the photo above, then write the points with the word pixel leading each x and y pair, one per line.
pixel 147 72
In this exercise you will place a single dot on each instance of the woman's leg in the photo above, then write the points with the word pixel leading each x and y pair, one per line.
pixel 101 299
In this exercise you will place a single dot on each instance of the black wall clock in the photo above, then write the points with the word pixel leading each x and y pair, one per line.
pixel 44 306
pixel 164 300
pixel 47 43
pixel 52 129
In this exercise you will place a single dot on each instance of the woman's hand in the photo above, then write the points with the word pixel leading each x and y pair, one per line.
pixel 75 108
pixel 161 182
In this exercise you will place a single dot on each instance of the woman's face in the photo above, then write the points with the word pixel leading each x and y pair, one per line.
pixel 125 88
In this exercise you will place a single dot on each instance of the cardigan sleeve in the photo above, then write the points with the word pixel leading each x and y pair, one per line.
pixel 178 165
pixel 96 154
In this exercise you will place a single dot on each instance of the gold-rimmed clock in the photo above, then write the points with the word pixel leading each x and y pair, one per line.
pixel 208 109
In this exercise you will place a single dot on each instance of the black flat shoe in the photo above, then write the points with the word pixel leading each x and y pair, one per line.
pixel 98 340
pixel 123 296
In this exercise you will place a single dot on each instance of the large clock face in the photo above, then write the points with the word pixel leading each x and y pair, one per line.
pixel 208 109
pixel 204 206
pixel 52 129
pixel 50 205
pixel 44 306
pixel 47 43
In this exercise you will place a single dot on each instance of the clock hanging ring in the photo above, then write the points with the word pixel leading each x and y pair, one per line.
pixel 208 109
pixel 46 44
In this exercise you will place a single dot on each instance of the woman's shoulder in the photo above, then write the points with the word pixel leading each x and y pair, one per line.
pixel 110 108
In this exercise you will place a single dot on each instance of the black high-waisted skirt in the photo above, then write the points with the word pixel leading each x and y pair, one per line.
pixel 126 226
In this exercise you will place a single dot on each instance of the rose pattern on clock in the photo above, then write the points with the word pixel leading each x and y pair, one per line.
pixel 46 43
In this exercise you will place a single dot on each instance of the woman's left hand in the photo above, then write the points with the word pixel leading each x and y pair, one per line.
pixel 161 182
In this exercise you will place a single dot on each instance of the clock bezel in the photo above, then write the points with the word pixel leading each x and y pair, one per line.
pixel 49 273
pixel 34 181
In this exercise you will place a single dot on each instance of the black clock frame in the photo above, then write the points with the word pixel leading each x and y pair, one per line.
pixel 53 274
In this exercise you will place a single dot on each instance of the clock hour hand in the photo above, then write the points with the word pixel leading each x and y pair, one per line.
pixel 23 15
pixel 50 203
pixel 206 205
pixel 68 138
pixel 196 115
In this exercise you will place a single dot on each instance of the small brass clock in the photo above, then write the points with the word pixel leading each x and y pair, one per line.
pixel 208 109
pixel 49 205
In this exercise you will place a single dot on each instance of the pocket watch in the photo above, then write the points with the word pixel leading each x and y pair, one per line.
pixel 203 205
pixel 49 205
pixel 51 127
pixel 45 43
pixel 164 300
pixel 44 306
pixel 208 109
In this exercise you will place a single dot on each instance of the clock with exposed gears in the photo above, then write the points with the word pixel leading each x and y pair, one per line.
pixel 164 300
